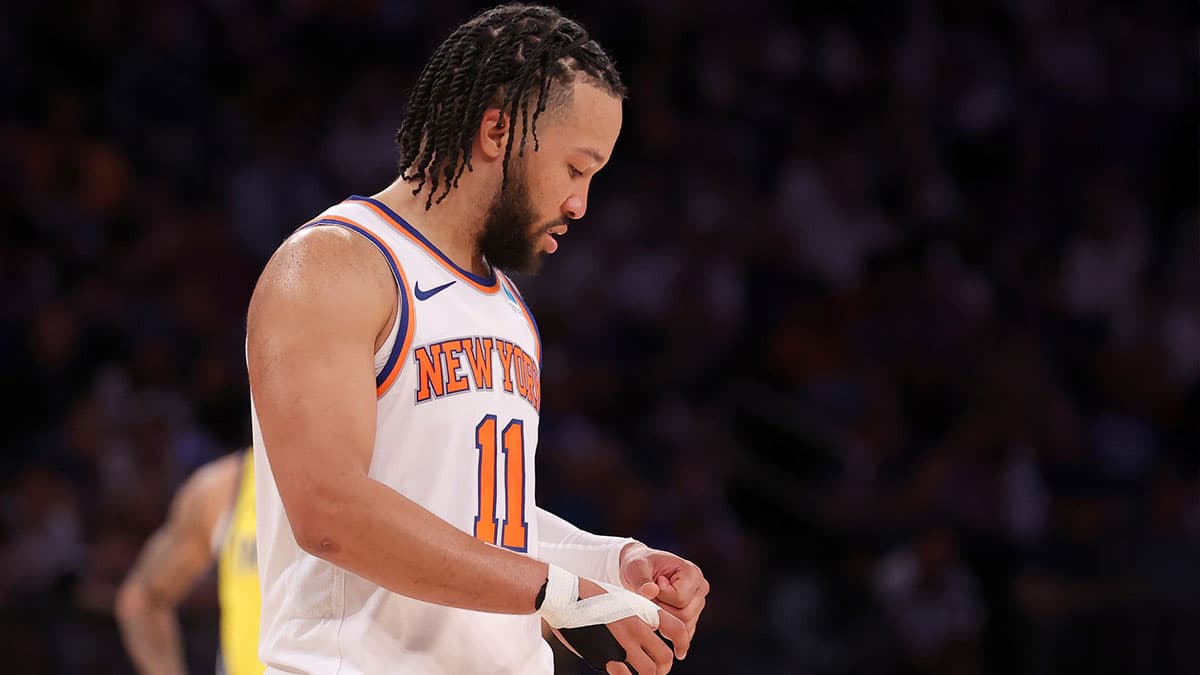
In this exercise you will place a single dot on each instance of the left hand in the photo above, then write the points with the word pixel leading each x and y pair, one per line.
pixel 674 584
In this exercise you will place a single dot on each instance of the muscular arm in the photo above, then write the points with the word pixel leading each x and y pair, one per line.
pixel 319 312
pixel 171 562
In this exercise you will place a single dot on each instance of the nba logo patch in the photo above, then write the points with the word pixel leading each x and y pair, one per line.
pixel 512 300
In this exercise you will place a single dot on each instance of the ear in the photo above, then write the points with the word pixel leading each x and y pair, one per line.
pixel 494 128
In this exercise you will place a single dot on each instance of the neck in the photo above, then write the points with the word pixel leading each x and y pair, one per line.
pixel 452 226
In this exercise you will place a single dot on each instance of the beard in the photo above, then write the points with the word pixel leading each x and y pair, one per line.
pixel 509 239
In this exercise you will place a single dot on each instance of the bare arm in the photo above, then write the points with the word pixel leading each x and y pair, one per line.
pixel 319 312
pixel 171 562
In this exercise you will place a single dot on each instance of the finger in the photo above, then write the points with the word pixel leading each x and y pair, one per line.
pixel 691 625
pixel 666 595
pixel 682 586
pixel 672 593
pixel 614 668
pixel 649 590
pixel 659 652
pixel 665 588
pixel 674 630
pixel 641 662
pixel 638 574
pixel 690 614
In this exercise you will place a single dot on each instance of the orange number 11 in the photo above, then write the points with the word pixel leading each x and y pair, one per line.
pixel 514 530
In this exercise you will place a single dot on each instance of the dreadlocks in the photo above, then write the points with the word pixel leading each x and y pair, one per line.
pixel 503 57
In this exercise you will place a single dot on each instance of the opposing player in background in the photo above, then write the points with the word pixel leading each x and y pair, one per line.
pixel 211 519
pixel 395 382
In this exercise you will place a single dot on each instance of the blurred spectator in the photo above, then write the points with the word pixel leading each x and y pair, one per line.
pixel 932 604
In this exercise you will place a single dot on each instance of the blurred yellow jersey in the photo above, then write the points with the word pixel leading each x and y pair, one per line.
pixel 237 582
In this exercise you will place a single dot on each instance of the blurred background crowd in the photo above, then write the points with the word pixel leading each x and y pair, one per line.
pixel 886 314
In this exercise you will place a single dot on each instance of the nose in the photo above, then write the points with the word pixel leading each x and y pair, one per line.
pixel 575 207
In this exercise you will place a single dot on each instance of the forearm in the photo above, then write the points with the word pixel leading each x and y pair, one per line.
pixel 579 551
pixel 151 635
pixel 380 535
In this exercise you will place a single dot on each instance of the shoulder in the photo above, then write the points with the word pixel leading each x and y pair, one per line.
pixel 207 493
pixel 327 275
pixel 316 256
pixel 220 474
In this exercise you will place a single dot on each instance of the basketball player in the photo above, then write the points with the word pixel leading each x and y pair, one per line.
pixel 394 373
pixel 211 517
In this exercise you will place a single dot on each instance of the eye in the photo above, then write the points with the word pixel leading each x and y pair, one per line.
pixel 575 173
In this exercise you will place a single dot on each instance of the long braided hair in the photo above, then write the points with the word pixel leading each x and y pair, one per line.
pixel 506 57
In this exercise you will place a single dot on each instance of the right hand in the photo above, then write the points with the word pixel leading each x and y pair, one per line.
pixel 645 651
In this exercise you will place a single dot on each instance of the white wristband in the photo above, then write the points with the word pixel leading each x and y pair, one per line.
pixel 562 607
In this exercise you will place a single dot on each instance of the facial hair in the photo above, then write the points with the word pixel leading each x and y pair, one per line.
pixel 509 239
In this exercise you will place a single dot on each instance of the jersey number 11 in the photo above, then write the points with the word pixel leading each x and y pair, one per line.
pixel 513 532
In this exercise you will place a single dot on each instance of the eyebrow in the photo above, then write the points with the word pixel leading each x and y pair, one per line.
pixel 591 152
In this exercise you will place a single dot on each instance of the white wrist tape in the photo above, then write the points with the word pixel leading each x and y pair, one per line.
pixel 562 607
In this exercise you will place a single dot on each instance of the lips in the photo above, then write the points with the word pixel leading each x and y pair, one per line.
pixel 557 231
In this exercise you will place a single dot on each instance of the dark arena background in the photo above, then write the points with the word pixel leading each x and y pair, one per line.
pixel 886 314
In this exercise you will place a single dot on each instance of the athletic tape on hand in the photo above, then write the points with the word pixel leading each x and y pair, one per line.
pixel 562 607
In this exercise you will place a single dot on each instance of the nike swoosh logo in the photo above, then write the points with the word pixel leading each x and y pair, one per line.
pixel 425 295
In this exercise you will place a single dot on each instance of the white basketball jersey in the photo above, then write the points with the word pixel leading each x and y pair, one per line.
pixel 458 385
